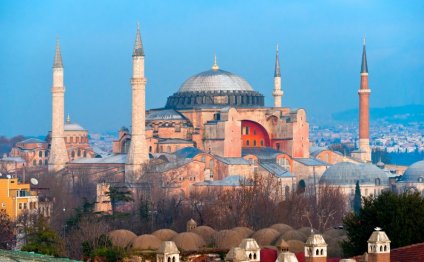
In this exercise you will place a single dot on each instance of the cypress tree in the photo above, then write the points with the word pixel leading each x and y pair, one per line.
pixel 357 199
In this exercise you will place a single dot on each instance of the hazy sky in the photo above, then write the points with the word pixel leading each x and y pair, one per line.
pixel 320 51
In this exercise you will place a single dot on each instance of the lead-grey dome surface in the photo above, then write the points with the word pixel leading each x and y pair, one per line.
pixel 215 80
pixel 414 173
pixel 346 173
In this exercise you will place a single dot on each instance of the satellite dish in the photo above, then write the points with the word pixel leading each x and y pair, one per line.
pixel 34 181
pixel 9 176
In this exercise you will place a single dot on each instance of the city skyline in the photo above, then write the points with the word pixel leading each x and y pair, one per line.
pixel 97 55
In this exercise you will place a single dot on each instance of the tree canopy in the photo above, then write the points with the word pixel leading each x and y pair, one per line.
pixel 401 216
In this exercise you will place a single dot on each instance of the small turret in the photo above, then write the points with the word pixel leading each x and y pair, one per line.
pixel 315 248
pixel 378 246
pixel 191 224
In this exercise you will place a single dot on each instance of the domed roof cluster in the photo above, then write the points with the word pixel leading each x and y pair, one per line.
pixel 346 173
pixel 215 80
pixel 280 236
pixel 414 173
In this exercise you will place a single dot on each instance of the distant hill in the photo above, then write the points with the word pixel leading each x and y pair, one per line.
pixel 398 114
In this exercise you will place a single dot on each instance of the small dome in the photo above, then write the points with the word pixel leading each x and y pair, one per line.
pixel 205 232
pixel 227 239
pixel 188 241
pixel 164 234
pixel 307 230
pixel 414 173
pixel 215 80
pixel 296 246
pixel 146 242
pixel 121 237
pixel 282 228
pixel 73 127
pixel 244 232
pixel 347 173
pixel 266 236
pixel 294 235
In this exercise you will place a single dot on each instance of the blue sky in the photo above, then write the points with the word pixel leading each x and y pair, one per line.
pixel 320 51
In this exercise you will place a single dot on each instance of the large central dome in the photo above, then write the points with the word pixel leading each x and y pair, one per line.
pixel 215 88
pixel 215 80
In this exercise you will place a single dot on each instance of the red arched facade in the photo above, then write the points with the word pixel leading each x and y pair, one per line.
pixel 253 134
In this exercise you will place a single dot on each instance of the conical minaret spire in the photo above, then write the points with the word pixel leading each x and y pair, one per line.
pixel 277 72
pixel 364 66
pixel 277 93
pixel 138 46
pixel 137 153
pixel 58 56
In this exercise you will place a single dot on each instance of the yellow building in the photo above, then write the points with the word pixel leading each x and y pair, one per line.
pixel 16 198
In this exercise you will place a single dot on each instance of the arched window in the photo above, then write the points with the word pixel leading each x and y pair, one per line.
pixel 46 153
pixel 278 146
pixel 254 142
pixel 381 248
pixel 250 255
pixel 34 162
pixel 377 181
pixel 79 153
pixel 84 153
pixel 322 251
pixel 40 162
pixel 150 149
pixel 254 255
pixel 262 142
pixel 385 248
pixel 301 187
pixel 247 143
pixel 73 154
pixel 173 258
pixel 40 153
pixel 169 259
pixel 46 162
pixel 317 252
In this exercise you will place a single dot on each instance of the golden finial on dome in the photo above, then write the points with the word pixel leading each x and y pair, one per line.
pixel 68 119
pixel 215 65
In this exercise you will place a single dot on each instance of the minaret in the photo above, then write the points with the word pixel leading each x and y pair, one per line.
pixel 137 153
pixel 364 95
pixel 278 93
pixel 58 155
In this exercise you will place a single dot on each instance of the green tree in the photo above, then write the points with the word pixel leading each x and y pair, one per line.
pixel 119 194
pixel 357 200
pixel 42 239
pixel 401 216
pixel 7 238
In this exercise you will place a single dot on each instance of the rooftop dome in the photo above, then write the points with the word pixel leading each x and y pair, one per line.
pixel 346 173
pixel 414 173
pixel 164 234
pixel 121 237
pixel 146 242
pixel 244 232
pixel 215 88
pixel 227 239
pixel 266 236
pixel 215 80
pixel 188 241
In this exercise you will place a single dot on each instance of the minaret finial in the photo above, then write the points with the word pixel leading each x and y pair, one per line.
pixel 364 40
pixel 277 72
pixel 58 56
pixel 68 119
pixel 138 46
pixel 364 65
pixel 215 64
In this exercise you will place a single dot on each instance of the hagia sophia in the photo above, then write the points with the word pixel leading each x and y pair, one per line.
pixel 214 131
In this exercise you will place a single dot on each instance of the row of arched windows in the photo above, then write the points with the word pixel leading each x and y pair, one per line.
pixel 41 153
pixel 78 153
pixel 76 139
pixel 39 162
